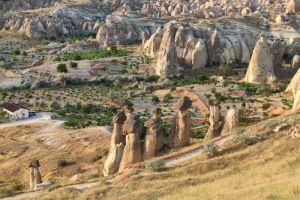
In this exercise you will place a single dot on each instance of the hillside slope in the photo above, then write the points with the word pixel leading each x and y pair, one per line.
pixel 263 165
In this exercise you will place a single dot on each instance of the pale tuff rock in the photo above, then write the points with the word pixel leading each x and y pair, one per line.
pixel 35 175
pixel 199 55
pixel 152 45
pixel 214 120
pixel 295 131
pixel 183 123
pixel 118 31
pixel 293 6
pixel 167 57
pixel 295 64
pixel 117 135
pixel 26 4
pixel 231 121
pixel 296 105
pixel 132 151
pixel 154 137
pixel 215 47
pixel 112 163
pixel 261 65
pixel 294 85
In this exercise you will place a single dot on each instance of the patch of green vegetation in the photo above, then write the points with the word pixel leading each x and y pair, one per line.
pixel 155 100
pixel 86 115
pixel 168 98
pixel 199 79
pixel 73 64
pixel 91 55
pixel 199 134
pixel 62 68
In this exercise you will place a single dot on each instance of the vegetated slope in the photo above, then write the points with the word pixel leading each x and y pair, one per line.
pixel 263 166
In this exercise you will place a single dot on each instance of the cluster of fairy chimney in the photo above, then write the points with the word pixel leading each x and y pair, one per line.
pixel 127 148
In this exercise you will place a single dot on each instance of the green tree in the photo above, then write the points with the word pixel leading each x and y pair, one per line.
pixel 62 68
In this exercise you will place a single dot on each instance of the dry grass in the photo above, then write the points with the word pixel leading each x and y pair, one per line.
pixel 84 149
pixel 269 170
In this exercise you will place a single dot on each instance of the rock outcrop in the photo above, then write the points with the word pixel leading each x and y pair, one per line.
pixel 183 123
pixel 117 135
pixel 293 6
pixel 11 5
pixel 35 175
pixel 295 64
pixel 215 121
pixel 119 31
pixel 261 66
pixel 294 85
pixel 132 151
pixel 112 162
pixel 231 121
pixel 167 57
pixel 153 141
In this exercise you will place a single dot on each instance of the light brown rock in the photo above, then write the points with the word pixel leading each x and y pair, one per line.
pixel 214 120
pixel 117 135
pixel 260 69
pixel 167 57
pixel 294 85
pixel 231 121
pixel 132 151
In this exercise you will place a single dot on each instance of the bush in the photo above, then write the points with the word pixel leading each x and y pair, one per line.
pixel 155 100
pixel 86 109
pixel 210 149
pixel 199 134
pixel 167 98
pixel 73 65
pixel 62 68
pixel 155 165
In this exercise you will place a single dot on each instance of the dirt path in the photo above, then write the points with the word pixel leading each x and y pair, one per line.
pixel 85 186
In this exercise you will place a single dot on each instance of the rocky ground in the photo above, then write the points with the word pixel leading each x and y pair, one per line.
pixel 85 59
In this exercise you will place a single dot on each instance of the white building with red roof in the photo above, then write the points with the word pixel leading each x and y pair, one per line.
pixel 15 111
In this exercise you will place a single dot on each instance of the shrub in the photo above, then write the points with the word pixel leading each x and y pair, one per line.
pixel 167 98
pixel 210 149
pixel 62 68
pixel 86 109
pixel 16 52
pixel 198 134
pixel 73 64
pixel 155 100
pixel 155 165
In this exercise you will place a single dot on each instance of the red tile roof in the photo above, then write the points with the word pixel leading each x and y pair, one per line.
pixel 11 107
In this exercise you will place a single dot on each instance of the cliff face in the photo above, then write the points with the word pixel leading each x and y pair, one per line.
pixel 11 5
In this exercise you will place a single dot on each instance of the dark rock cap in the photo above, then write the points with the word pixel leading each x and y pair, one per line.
pixel 34 164
pixel 184 103
pixel 119 118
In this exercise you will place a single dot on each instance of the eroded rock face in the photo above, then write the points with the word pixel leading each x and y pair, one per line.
pixel 214 120
pixel 117 135
pixel 208 9
pixel 6 6
pixel 294 86
pixel 167 57
pixel 231 121
pixel 35 175
pixel 296 104
pixel 215 46
pixel 132 151
pixel 119 31
pixel 184 122
pixel 295 64
pixel 261 66
pixel 151 46
pixel 153 141
pixel 293 6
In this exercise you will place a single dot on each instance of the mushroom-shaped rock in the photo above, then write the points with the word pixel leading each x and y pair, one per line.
pixel 35 175
pixel 117 135
pixel 183 124
pixel 214 120
pixel 260 68
pixel 132 151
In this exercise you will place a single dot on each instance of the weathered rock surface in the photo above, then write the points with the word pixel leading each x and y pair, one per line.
pixel 293 6
pixel 261 66
pixel 112 163
pixel 26 4
pixel 167 57
pixel 35 175
pixel 294 85
pixel 231 121
pixel 215 121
